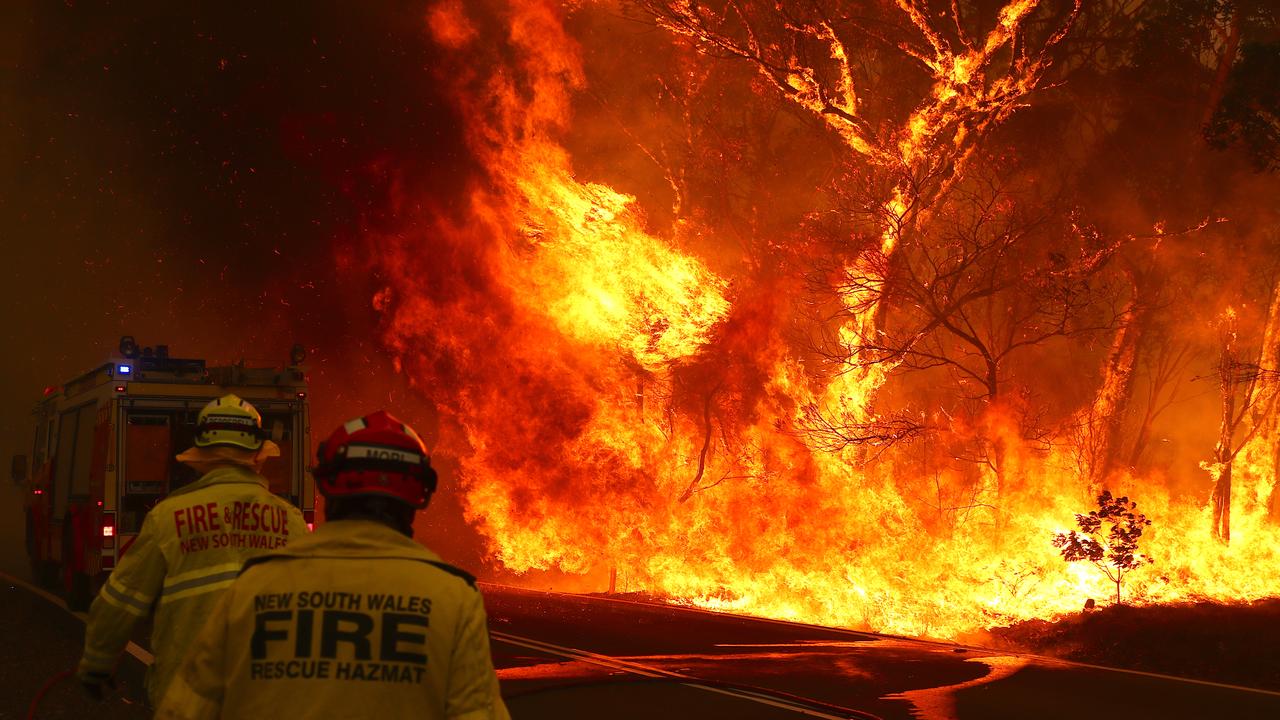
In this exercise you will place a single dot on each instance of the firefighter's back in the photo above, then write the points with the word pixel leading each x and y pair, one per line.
pixel 191 546
pixel 356 621
pixel 205 533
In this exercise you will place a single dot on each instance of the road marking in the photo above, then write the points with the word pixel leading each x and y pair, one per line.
pixel 1159 676
pixel 139 652
pixel 686 680
pixel 872 636
pixel 146 658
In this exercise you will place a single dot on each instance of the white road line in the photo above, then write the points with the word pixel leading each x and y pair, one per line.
pixel 1158 676
pixel 139 652
pixel 653 672
pixel 977 649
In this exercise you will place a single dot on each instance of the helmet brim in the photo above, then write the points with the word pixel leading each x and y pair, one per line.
pixel 229 454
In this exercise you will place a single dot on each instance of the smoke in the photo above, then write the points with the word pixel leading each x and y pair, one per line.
pixel 204 178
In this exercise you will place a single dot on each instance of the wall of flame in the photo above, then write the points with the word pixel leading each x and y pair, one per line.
pixel 623 391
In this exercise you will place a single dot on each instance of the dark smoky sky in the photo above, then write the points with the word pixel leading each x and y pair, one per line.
pixel 202 175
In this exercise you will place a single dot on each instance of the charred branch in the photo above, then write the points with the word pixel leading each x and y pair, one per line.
pixel 706 446
pixel 832 432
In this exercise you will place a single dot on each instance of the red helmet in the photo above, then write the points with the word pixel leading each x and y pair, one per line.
pixel 375 455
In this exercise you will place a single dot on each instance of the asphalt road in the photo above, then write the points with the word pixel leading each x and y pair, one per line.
pixel 567 656
pixel 42 644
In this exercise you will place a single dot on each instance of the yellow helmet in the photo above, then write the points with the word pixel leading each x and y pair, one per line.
pixel 229 422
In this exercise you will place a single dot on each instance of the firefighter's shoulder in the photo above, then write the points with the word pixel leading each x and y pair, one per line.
pixel 455 571
pixel 287 555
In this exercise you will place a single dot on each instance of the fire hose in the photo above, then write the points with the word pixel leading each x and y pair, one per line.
pixel 44 689
pixel 142 655
pixel 57 678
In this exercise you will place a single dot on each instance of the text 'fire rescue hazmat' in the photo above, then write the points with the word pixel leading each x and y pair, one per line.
pixel 191 547
pixel 355 620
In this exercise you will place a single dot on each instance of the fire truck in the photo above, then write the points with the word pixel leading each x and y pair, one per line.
pixel 104 454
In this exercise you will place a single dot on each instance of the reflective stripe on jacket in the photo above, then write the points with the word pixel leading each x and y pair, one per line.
pixel 191 547
pixel 353 621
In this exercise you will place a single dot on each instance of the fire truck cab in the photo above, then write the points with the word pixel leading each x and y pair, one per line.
pixel 104 454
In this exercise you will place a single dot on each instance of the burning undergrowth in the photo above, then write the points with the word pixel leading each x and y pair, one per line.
pixel 772 313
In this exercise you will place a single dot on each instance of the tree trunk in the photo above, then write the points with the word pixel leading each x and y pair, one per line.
pixel 999 447
pixel 1223 454
pixel 1222 504
pixel 1262 451
pixel 1000 466
pixel 1230 47
pixel 706 447
pixel 1104 420
pixel 1273 504
pixel 1143 436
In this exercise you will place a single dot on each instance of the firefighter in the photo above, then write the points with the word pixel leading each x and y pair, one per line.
pixel 191 547
pixel 356 620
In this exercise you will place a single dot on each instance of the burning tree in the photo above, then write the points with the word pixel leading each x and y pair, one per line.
pixel 1000 273
pixel 1246 395
pixel 846 66
pixel 1116 552
pixel 912 92
pixel 835 60
pixel 1141 343
pixel 1163 361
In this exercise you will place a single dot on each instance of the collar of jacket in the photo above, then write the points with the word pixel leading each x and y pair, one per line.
pixel 221 475
pixel 357 538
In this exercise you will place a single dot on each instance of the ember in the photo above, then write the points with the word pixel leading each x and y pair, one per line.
pixel 817 315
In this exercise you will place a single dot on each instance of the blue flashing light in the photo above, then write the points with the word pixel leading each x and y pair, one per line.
pixel 124 369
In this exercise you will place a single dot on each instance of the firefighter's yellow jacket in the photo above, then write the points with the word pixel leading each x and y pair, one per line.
pixel 190 549
pixel 354 621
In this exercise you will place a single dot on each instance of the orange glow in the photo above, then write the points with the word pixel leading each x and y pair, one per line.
pixel 617 399
pixel 448 24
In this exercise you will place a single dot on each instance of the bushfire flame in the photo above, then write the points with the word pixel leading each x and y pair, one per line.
pixel 621 397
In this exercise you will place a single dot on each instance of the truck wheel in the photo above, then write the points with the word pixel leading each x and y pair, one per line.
pixel 80 594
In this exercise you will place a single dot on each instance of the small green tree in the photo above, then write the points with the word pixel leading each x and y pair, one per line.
pixel 1115 553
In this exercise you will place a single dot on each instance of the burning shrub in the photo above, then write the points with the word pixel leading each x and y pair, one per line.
pixel 1116 553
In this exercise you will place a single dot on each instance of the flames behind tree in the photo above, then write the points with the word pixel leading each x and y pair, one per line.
pixel 665 393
